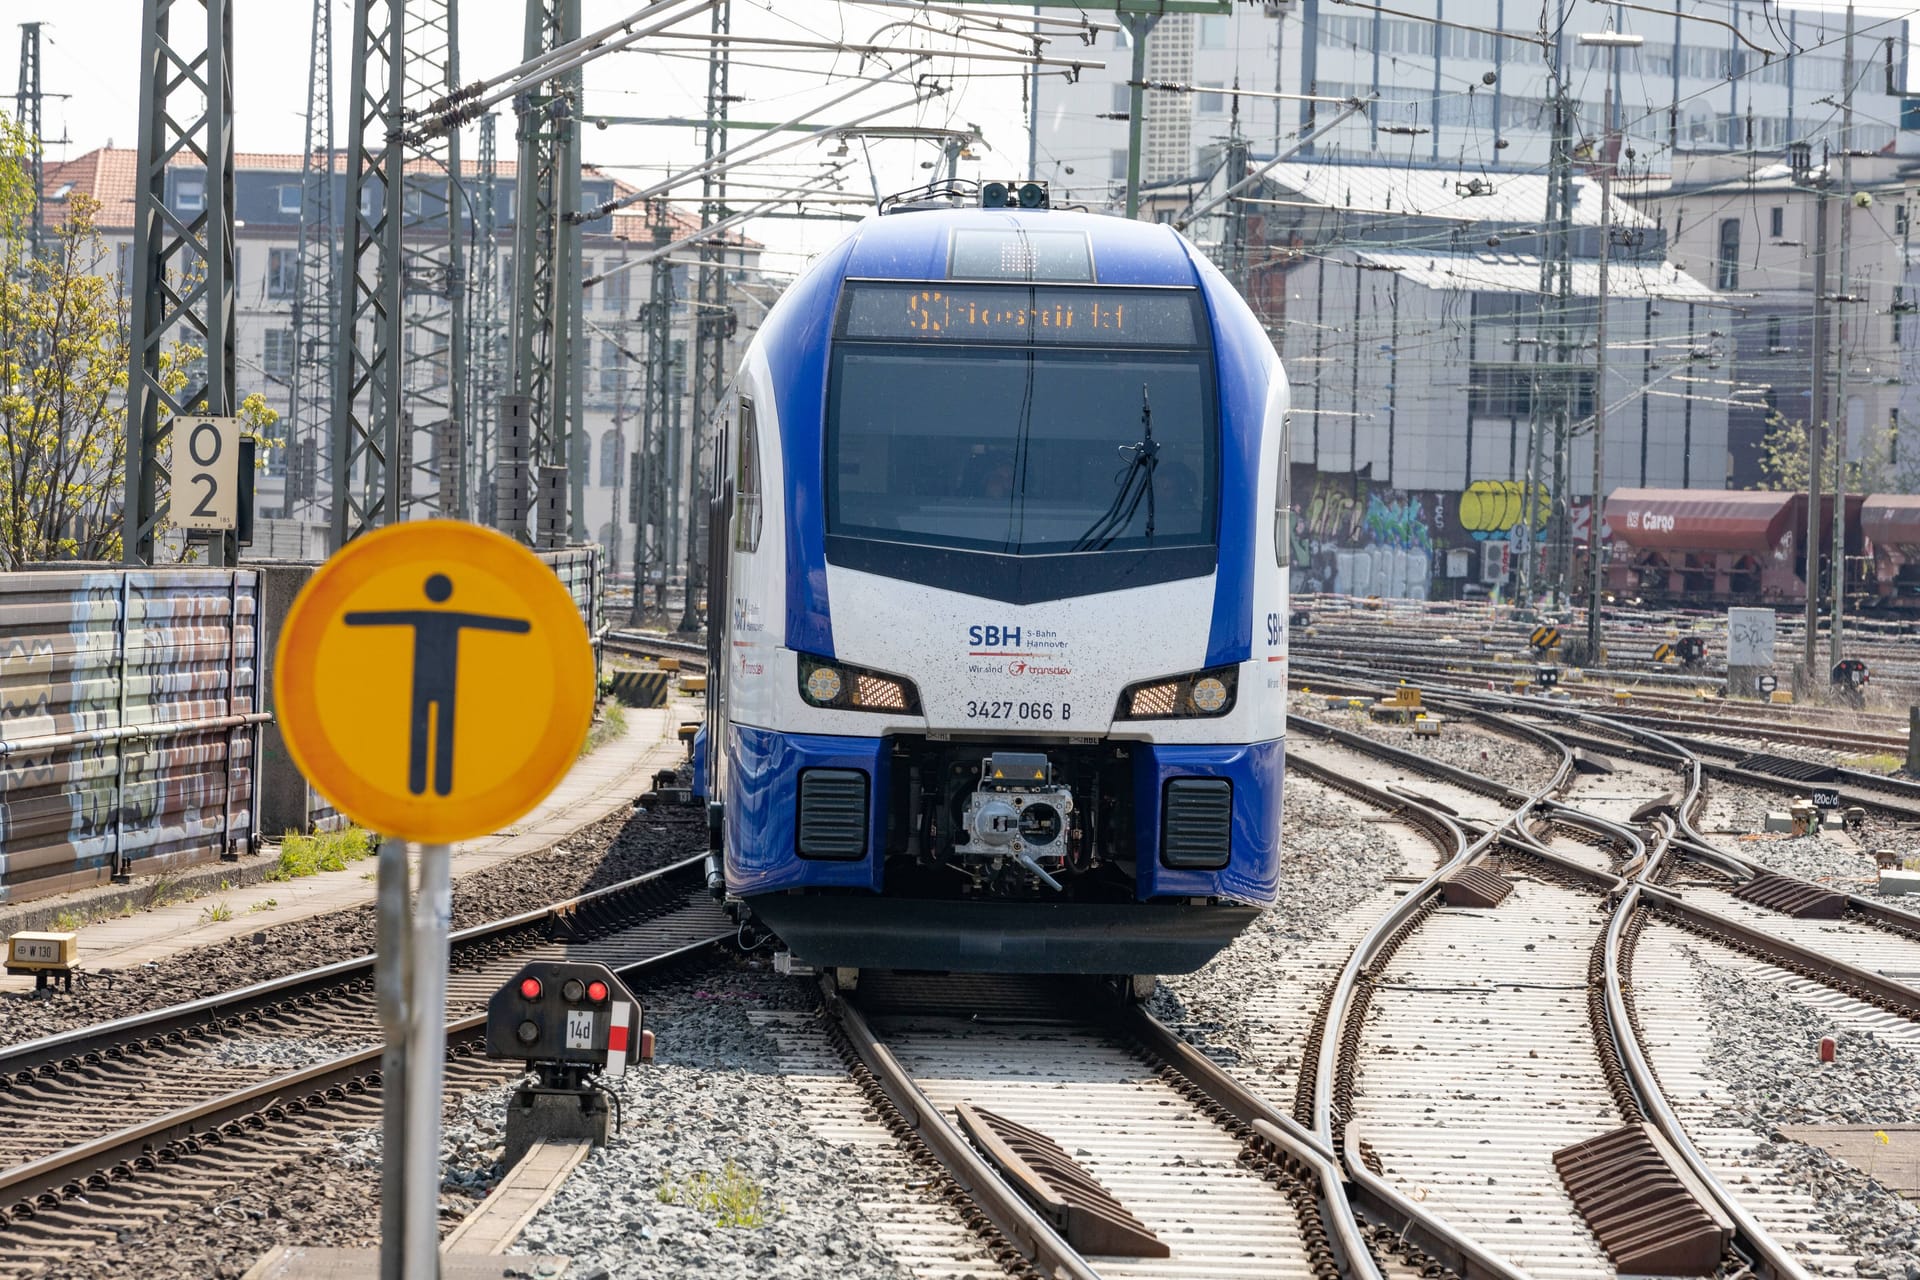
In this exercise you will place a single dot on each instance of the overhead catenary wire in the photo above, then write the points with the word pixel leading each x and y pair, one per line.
pixel 734 155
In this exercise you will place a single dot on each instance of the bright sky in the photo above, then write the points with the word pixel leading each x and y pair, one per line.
pixel 92 54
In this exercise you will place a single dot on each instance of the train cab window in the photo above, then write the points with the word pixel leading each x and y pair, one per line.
pixel 746 483
pixel 1023 421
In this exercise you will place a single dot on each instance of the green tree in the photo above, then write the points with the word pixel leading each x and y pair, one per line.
pixel 1783 461
pixel 63 379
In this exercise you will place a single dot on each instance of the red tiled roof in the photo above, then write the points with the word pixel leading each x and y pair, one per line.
pixel 111 176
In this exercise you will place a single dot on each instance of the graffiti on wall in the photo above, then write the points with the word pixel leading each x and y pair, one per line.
pixel 1352 537
pixel 1495 510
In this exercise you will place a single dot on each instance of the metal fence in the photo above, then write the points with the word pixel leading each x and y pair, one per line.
pixel 129 707
pixel 134 734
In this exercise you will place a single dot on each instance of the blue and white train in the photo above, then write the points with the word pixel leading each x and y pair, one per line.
pixel 999 602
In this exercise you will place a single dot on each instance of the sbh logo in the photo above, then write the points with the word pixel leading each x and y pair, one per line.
pixel 993 636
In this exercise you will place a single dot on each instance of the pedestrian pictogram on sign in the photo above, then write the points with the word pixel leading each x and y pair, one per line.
pixel 434 681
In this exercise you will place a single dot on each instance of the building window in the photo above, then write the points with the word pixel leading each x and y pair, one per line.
pixel 290 199
pixel 1773 335
pixel 1727 264
pixel 190 192
pixel 123 265
pixel 1776 222
pixel 1213 33
pixel 1122 98
pixel 616 290
pixel 277 357
pixel 1212 101
pixel 610 459
pixel 283 273
pixel 1505 390
pixel 613 368
pixel 1117 158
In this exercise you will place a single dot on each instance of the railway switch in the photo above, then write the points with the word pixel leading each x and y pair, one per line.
pixel 49 957
pixel 575 1026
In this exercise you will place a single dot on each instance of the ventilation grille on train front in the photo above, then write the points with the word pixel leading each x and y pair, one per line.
pixel 1196 826
pixel 833 813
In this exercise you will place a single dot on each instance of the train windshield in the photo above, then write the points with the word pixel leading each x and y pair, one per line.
pixel 1022 420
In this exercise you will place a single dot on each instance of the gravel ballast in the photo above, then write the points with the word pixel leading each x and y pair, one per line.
pixel 1766 1050
pixel 1462 743
pixel 715 1112
pixel 618 847
pixel 1335 858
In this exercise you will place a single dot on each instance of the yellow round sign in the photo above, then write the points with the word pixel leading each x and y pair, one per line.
pixel 434 680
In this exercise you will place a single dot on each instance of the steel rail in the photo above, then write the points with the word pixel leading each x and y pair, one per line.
pixel 1625 894
pixel 1750 1235
pixel 1464 1255
pixel 83 1043
pixel 1026 1230
pixel 69 1173
pixel 1341 998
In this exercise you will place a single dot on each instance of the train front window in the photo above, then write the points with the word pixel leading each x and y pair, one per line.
pixel 1077 439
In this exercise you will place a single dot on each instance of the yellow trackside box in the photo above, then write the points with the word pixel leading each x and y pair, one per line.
pixel 42 952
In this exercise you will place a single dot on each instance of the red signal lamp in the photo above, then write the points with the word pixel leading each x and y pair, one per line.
pixel 596 991
pixel 530 988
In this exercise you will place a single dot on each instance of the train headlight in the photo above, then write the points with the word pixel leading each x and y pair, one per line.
pixel 1209 695
pixel 1197 694
pixel 843 687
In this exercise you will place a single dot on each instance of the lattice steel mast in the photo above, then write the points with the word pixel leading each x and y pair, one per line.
pixel 546 269
pixel 486 326
pixel 650 478
pixel 310 398
pixel 27 112
pixel 713 319
pixel 182 267
pixel 430 292
pixel 366 405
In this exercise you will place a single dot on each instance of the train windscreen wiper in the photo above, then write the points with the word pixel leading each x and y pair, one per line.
pixel 1136 483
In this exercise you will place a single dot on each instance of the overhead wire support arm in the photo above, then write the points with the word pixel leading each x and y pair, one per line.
pixel 472 101
pixel 794 195
pixel 1764 52
pixel 1169 86
pixel 734 155
pixel 1082 25
pixel 881 50
pixel 1354 107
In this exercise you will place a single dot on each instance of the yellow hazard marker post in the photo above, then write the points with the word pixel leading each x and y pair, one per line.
pixel 434 681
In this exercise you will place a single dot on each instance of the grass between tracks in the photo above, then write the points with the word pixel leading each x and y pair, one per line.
pixel 1882 762
pixel 325 851
pixel 731 1196
pixel 609 724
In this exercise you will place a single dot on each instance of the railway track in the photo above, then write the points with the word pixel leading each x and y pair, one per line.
pixel 1015 1090
pixel 1573 923
pixel 130 1118
pixel 690 653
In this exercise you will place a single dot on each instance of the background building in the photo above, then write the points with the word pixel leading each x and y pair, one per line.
pixel 618 254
